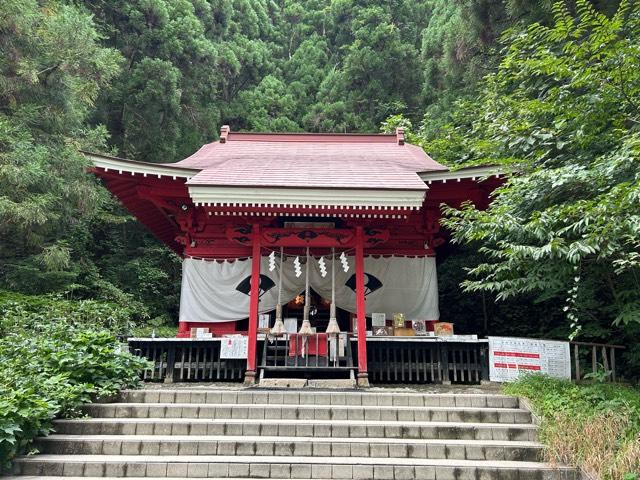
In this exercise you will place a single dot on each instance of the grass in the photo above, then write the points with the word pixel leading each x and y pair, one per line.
pixel 595 427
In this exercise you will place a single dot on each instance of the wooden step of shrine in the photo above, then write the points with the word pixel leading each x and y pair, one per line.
pixel 295 434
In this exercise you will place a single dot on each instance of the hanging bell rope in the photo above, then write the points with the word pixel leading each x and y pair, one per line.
pixel 333 328
pixel 305 329
pixel 278 327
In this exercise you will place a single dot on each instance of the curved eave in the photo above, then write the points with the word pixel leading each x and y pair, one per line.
pixel 125 178
pixel 145 211
pixel 470 173
pixel 121 165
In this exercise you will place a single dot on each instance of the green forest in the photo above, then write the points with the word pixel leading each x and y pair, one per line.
pixel 550 91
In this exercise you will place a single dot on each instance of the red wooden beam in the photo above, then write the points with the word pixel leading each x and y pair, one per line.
pixel 308 237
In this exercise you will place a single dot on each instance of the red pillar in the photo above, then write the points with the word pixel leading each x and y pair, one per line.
pixel 363 376
pixel 254 295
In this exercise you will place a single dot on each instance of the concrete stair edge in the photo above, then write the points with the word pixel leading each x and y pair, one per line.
pixel 256 459
pixel 266 438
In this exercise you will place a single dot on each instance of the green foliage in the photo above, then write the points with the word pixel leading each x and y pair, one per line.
pixel 549 396
pixel 162 106
pixel 560 115
pixel 52 67
pixel 258 65
pixel 35 312
pixel 54 356
pixel 269 107
pixel 606 414
pixel 459 47
pixel 162 326
pixel 478 312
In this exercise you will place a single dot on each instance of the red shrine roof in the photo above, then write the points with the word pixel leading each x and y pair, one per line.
pixel 268 175
pixel 299 162
pixel 306 170
pixel 305 160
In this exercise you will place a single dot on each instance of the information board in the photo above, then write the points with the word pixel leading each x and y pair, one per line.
pixel 509 357
pixel 291 325
pixel 236 346
pixel 378 319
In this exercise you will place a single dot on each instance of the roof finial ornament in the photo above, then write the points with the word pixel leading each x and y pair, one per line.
pixel 399 135
pixel 224 133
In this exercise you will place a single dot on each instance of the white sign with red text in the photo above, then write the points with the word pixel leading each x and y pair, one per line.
pixel 234 346
pixel 509 357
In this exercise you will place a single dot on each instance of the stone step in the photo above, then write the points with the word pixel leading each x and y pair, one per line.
pixel 397 398
pixel 37 477
pixel 51 477
pixel 298 428
pixel 308 412
pixel 278 446
pixel 292 467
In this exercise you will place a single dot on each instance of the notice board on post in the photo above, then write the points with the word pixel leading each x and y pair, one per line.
pixel 509 357
pixel 236 346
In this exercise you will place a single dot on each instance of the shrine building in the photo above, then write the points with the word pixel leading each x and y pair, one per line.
pixel 304 244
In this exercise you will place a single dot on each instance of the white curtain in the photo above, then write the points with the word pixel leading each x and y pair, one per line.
pixel 408 285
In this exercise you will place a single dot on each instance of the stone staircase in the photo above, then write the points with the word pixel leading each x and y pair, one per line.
pixel 301 434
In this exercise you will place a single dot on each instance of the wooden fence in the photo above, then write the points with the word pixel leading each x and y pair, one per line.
pixel 181 360
pixel 420 361
pixel 601 357
pixel 390 360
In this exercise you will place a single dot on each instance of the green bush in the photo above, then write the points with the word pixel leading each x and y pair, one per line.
pixel 32 311
pixel 162 326
pixel 54 356
pixel 595 426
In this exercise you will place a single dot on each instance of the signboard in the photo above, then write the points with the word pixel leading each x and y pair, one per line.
pixel 378 319
pixel 234 347
pixel 509 357
pixel 263 321
pixel 291 325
